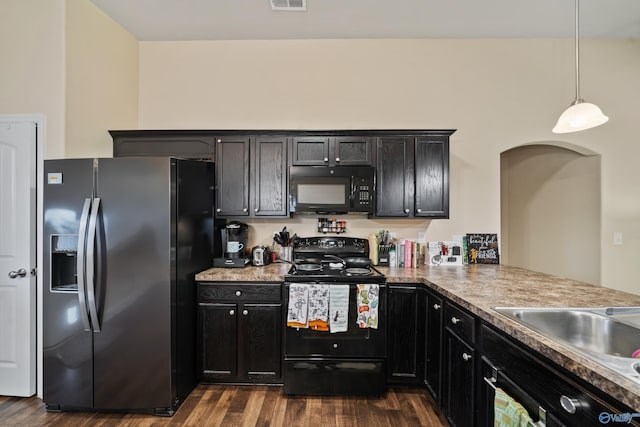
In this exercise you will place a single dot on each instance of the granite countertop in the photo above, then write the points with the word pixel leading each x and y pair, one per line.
pixel 477 288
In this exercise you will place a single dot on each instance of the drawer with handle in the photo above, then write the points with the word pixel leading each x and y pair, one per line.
pixel 460 322
pixel 235 291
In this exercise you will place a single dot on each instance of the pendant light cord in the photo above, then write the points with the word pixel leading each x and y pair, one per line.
pixel 577 46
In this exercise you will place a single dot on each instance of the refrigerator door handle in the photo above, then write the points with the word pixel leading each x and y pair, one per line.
pixel 82 235
pixel 91 242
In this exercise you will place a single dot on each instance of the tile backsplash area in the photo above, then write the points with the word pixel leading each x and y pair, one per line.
pixel 261 230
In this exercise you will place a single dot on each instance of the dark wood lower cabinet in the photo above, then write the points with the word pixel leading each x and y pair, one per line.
pixel 261 350
pixel 406 335
pixel 540 386
pixel 432 341
pixel 459 380
pixel 240 333
pixel 433 344
pixel 219 349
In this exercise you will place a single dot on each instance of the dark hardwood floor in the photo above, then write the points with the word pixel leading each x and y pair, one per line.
pixel 214 405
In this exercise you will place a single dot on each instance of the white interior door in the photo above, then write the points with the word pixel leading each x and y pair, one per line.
pixel 17 258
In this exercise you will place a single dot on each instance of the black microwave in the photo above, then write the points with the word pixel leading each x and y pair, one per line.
pixel 338 190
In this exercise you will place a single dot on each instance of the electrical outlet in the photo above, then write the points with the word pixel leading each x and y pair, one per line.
pixel 617 238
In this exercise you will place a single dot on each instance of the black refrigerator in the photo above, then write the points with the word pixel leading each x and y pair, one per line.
pixel 123 240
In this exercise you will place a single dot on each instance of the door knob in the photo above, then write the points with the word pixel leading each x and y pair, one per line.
pixel 20 273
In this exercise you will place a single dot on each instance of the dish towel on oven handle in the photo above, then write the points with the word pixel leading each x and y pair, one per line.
pixel 298 305
pixel 368 300
pixel 338 308
pixel 319 307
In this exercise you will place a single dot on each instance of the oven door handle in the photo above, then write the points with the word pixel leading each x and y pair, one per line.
pixel 492 382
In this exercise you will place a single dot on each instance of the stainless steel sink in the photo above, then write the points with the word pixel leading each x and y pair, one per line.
pixel 607 335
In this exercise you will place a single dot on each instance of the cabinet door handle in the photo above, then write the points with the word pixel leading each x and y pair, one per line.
pixel 335 345
pixel 337 159
pixel 419 210
pixel 218 210
pixel 569 404
pixel 326 159
pixel 232 312
pixel 436 306
pixel 455 320
pixel 256 210
pixel 406 210
pixel 218 140
pixel 244 209
pixel 238 293
pixel 245 312
pixel 466 357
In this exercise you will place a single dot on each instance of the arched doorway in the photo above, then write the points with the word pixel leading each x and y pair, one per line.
pixel 551 210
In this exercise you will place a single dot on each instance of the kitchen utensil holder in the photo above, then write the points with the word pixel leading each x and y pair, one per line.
pixel 383 255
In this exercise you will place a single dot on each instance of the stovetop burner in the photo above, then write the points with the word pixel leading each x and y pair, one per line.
pixel 302 273
pixel 308 267
pixel 356 271
pixel 333 259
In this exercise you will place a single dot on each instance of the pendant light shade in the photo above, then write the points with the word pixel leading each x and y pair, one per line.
pixel 580 115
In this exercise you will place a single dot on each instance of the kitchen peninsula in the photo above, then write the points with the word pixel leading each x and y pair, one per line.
pixel 478 288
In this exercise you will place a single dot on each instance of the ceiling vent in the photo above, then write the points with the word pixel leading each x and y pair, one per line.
pixel 290 5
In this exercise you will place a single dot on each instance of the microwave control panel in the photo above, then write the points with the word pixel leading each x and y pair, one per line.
pixel 364 192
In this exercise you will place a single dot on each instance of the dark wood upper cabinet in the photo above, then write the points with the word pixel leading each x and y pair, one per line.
pixel 432 177
pixel 163 143
pixel 412 166
pixel 413 176
pixel 331 151
pixel 232 176
pixel 269 191
pixel 352 150
pixel 310 151
pixel 394 171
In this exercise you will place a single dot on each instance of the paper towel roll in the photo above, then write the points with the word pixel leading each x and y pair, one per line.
pixel 373 249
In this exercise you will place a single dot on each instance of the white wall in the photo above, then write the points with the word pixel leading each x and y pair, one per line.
pixel 101 80
pixel 66 60
pixel 498 94
pixel 32 71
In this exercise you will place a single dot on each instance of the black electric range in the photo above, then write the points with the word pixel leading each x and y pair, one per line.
pixel 332 259
pixel 352 362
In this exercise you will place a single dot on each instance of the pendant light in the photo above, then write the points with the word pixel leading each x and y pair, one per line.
pixel 580 115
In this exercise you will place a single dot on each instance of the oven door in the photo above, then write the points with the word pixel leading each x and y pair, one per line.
pixel 355 342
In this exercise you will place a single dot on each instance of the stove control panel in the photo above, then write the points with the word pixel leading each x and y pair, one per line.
pixel 332 245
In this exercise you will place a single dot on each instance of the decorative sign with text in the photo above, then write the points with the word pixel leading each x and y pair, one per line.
pixel 482 248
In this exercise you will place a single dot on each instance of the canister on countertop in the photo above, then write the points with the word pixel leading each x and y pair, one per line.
pixel 260 255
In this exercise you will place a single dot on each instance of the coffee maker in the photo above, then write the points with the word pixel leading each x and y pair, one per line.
pixel 234 238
